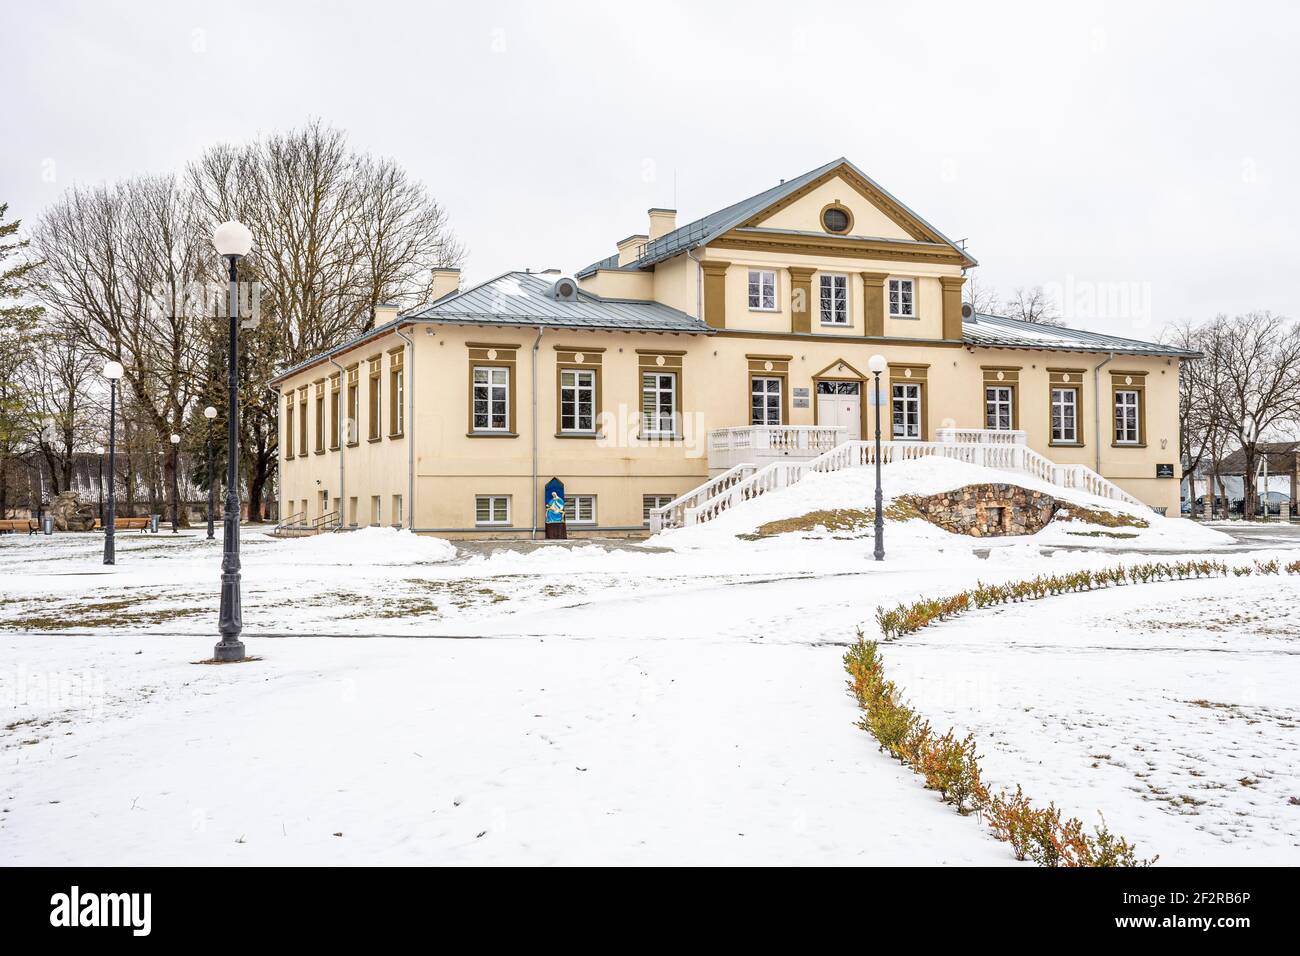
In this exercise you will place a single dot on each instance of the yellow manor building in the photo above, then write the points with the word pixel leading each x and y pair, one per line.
pixel 705 363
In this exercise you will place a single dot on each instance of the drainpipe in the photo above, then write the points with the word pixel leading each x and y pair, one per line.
pixel 1096 407
pixel 343 487
pixel 410 427
pixel 536 343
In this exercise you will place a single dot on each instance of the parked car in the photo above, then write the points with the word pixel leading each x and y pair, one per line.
pixel 1221 506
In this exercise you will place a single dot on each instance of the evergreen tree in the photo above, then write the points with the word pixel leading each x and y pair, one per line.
pixel 17 331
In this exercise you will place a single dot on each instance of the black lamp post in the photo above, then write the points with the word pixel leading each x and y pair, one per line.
pixel 878 364
pixel 210 413
pixel 176 498
pixel 99 454
pixel 233 240
pixel 112 371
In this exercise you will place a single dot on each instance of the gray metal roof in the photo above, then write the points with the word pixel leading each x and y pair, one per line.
pixel 996 331
pixel 523 298
pixel 703 231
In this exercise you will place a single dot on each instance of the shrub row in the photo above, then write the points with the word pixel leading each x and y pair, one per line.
pixel 951 766
pixel 910 618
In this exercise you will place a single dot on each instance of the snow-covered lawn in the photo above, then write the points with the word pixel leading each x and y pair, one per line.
pixel 1173 708
pixel 681 702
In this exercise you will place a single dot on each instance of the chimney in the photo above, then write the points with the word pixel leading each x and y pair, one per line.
pixel 662 222
pixel 630 248
pixel 385 312
pixel 444 282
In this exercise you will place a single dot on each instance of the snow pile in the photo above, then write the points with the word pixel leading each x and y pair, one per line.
pixel 366 546
pixel 854 489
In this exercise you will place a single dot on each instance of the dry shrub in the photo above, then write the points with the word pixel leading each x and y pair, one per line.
pixel 951 766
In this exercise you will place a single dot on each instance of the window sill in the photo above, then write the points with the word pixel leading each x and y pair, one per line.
pixel 906 318
pixel 491 434
pixel 319 451
pixel 754 308
pixel 397 434
pixel 1128 444
pixel 334 447
pixel 1065 444
pixel 354 444
pixel 836 325
pixel 375 439
pixel 659 438
pixel 589 435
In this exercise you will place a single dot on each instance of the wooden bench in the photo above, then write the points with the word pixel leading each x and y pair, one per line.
pixel 126 524
pixel 18 524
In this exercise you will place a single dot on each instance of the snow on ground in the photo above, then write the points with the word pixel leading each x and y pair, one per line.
pixel 611 703
pixel 855 488
pixel 1172 708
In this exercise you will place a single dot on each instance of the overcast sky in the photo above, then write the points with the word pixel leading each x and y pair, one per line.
pixel 1133 158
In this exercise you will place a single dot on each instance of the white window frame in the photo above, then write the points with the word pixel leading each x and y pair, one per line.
pixel 996 406
pixel 399 386
pixel 652 421
pixel 651 502
pixel 756 394
pixel 902 298
pixel 580 509
pixel 907 396
pixel 826 297
pixel 583 390
pixel 1059 405
pixel 498 511
pixel 761 291
pixel 494 388
pixel 1131 422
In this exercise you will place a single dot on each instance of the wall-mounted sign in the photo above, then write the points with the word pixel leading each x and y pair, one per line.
pixel 801 402
pixel 1164 471
pixel 801 393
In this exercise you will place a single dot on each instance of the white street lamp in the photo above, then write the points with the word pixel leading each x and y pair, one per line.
pixel 233 241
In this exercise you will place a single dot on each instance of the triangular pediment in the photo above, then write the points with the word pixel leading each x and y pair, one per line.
pixel 872 212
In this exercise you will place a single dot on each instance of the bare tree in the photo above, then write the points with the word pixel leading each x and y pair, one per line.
pixel 121 265
pixel 1032 305
pixel 336 234
pixel 982 298
pixel 1203 424
pixel 1261 384
pixel 59 382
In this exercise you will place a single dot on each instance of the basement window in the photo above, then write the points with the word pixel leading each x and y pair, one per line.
pixel 580 509
pixel 492 510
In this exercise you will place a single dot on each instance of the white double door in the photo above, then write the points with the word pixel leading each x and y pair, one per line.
pixel 840 403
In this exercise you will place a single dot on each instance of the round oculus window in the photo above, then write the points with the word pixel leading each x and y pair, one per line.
pixel 835 220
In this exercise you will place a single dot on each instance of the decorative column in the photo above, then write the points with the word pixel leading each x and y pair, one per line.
pixel 801 298
pixel 952 306
pixel 873 299
pixel 715 293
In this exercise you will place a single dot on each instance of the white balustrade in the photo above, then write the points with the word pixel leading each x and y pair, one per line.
pixel 760 444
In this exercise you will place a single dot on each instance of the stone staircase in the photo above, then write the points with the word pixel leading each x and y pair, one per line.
pixel 1004 450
